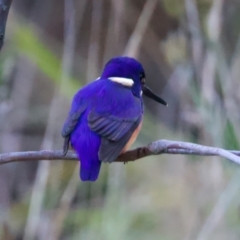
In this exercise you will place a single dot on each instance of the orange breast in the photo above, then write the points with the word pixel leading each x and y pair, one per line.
pixel 133 138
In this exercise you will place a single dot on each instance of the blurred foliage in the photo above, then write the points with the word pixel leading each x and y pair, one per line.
pixel 174 7
pixel 163 197
pixel 28 44
pixel 230 137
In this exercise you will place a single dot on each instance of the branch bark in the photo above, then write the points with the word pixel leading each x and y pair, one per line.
pixel 154 148
pixel 4 9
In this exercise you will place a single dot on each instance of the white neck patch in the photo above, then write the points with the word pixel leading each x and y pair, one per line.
pixel 128 82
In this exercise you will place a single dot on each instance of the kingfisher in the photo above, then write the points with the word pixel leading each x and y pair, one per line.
pixel 106 115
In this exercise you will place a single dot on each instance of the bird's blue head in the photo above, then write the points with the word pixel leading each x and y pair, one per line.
pixel 130 73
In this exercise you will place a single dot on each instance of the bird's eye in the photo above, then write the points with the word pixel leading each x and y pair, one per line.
pixel 142 78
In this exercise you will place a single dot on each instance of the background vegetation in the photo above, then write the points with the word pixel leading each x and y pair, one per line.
pixel 191 53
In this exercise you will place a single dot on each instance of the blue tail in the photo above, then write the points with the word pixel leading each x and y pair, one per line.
pixel 86 143
pixel 90 173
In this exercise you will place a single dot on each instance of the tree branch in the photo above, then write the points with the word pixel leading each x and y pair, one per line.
pixel 4 9
pixel 154 148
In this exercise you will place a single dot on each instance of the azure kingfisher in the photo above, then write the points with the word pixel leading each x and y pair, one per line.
pixel 106 115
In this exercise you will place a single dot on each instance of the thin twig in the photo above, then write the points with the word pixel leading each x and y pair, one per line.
pixel 194 29
pixel 136 38
pixel 4 9
pixel 94 45
pixel 155 148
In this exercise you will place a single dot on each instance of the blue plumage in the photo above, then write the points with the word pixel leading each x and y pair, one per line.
pixel 105 116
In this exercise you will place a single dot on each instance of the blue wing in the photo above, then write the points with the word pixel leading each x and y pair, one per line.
pixel 79 105
pixel 110 127
pixel 115 116
pixel 81 101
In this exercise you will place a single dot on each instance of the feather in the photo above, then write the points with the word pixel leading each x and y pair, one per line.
pixel 70 124
pixel 111 149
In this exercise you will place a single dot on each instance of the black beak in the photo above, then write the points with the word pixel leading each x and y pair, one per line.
pixel 149 93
